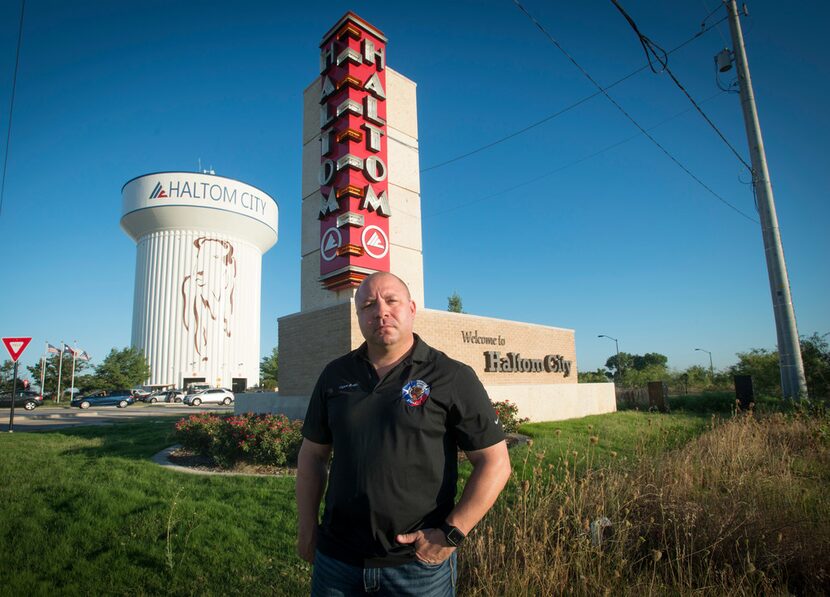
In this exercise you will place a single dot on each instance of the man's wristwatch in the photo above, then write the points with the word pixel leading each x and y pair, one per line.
pixel 454 535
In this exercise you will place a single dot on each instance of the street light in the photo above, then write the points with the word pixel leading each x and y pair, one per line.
pixel 711 368
pixel 617 344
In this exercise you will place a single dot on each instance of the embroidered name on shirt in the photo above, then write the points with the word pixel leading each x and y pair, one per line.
pixel 349 386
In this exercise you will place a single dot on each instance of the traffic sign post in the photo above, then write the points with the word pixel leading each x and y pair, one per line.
pixel 15 346
pixel 14 394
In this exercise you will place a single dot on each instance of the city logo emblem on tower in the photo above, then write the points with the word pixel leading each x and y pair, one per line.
pixel 375 242
pixel 158 192
pixel 331 241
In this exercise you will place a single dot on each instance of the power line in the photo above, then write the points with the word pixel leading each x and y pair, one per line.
pixel 565 166
pixel 703 29
pixel 11 107
pixel 627 115
pixel 652 49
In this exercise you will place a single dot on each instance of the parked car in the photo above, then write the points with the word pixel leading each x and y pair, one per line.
pixel 175 396
pixel 28 399
pixel 119 398
pixel 212 396
pixel 139 393
pixel 158 396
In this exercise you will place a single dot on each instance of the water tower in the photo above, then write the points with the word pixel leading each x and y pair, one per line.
pixel 196 308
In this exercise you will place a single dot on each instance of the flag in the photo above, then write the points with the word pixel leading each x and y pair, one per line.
pixel 52 349
pixel 69 349
pixel 84 355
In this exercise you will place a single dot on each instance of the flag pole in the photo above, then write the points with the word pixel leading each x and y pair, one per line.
pixel 60 370
pixel 43 367
pixel 72 387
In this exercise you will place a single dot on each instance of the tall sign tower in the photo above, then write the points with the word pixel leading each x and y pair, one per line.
pixel 354 211
pixel 361 187
pixel 361 209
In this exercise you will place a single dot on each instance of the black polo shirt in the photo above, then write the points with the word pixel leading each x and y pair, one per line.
pixel 395 444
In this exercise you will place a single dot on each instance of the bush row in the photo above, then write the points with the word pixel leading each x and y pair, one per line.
pixel 250 438
pixel 269 439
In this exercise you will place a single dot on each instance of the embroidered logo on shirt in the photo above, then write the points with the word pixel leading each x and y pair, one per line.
pixel 349 386
pixel 415 392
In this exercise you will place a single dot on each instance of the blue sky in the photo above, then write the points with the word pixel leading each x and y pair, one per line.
pixel 614 239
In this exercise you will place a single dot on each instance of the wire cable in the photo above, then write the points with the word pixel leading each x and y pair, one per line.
pixel 627 115
pixel 579 102
pixel 564 166
pixel 11 107
pixel 652 49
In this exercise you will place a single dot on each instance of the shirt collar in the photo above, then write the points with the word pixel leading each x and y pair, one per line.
pixel 418 354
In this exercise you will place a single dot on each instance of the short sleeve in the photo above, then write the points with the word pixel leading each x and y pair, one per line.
pixel 316 423
pixel 476 425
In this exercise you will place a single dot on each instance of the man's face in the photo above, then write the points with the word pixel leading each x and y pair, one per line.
pixel 385 312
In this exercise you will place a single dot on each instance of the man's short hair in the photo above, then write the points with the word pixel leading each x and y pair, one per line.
pixel 378 274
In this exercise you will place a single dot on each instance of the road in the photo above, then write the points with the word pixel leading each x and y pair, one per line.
pixel 55 417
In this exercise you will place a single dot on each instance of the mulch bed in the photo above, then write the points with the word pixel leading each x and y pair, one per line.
pixel 188 459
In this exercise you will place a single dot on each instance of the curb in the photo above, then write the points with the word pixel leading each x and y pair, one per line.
pixel 163 460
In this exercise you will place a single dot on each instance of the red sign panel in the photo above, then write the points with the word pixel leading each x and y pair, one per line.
pixel 354 211
pixel 16 346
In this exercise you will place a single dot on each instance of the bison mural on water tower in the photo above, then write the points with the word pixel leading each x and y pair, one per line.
pixel 207 292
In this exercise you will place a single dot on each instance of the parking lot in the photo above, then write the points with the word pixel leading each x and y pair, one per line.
pixel 54 417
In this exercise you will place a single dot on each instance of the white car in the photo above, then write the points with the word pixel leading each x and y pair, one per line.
pixel 212 396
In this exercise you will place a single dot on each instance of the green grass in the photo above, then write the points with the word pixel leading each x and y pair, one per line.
pixel 85 511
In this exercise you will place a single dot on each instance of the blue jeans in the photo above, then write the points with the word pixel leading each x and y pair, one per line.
pixel 333 578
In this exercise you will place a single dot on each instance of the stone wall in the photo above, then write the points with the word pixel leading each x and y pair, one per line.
pixel 311 339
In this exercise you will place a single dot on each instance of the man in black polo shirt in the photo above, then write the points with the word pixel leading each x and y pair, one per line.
pixel 394 412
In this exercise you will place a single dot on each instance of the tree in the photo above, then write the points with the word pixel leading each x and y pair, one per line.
pixel 697 376
pixel 638 370
pixel 454 303
pixel 122 369
pixel 762 365
pixel 815 353
pixel 619 363
pixel 269 369
pixel 598 376
pixel 650 359
pixel 50 377
pixel 7 376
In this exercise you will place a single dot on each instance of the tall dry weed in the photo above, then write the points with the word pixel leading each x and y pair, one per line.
pixel 742 509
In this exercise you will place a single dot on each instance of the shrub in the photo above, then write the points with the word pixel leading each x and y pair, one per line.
pixel 198 433
pixel 508 414
pixel 272 440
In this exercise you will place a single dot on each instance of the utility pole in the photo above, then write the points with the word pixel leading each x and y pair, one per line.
pixel 793 382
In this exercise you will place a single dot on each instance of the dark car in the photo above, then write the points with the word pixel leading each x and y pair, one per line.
pixel 119 398
pixel 28 399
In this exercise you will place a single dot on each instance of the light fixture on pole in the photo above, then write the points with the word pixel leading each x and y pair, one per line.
pixel 617 344
pixel 711 368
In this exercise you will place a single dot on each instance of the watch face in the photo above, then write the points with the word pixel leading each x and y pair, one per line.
pixel 455 537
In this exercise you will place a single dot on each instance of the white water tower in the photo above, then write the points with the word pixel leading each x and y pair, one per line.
pixel 196 308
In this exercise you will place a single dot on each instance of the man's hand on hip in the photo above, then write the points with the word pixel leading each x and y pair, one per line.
pixel 431 545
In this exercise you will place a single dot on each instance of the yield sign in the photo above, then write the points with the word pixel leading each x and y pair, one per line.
pixel 16 346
